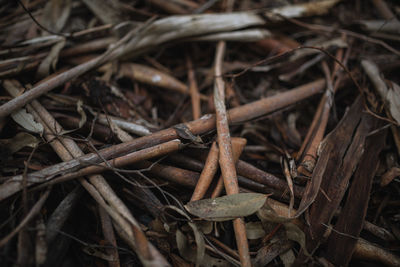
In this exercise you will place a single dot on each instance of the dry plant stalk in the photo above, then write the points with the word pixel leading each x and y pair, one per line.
pixel 155 33
pixel 207 175
pixel 109 236
pixel 315 134
pixel 194 90
pixel 98 187
pixel 226 161
pixel 238 145
pixel 202 125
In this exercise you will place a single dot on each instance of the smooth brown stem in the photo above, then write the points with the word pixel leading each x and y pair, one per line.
pixel 194 90
pixel 207 175
pixel 249 171
pixel 176 175
pixel 238 145
pixel 226 161
pixel 250 176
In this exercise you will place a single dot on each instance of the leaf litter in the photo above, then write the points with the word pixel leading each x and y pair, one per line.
pixel 206 133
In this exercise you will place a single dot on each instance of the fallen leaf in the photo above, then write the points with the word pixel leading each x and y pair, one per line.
pixel 254 230
pixel 200 252
pixel 50 60
pixel 293 232
pixel 288 258
pixel 393 100
pixel 267 215
pixel 22 140
pixel 26 120
pixel 227 207
pixel 189 254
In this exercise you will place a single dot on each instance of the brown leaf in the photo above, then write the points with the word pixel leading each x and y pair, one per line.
pixel 227 207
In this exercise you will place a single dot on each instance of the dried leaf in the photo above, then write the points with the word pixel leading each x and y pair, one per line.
pixel 154 77
pixel 81 112
pixel 288 258
pixel 22 140
pixel 293 232
pixel 205 227
pixel 56 14
pixel 254 230
pixel 269 252
pixel 393 100
pixel 50 60
pixel 26 120
pixel 82 120
pixel 227 207
pixel 184 132
pixel 189 254
pixel 109 12
pixel 199 254
pixel 389 91
pixel 199 243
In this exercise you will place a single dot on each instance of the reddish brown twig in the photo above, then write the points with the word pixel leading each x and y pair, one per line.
pixel 226 161
pixel 209 170
pixel 238 145
pixel 194 90
pixel 308 150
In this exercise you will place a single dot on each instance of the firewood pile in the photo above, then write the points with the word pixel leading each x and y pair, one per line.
pixel 199 133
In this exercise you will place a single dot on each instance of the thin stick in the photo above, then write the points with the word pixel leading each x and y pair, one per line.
pixel 98 188
pixel 109 236
pixel 309 160
pixel 238 145
pixel 34 211
pixel 194 90
pixel 308 150
pixel 226 161
pixel 204 124
pixel 131 158
pixel 209 170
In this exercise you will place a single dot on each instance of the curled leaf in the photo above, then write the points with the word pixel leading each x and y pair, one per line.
pixel 51 60
pixel 393 99
pixel 26 120
pixel 22 140
pixel 267 215
pixel 189 254
pixel 254 230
